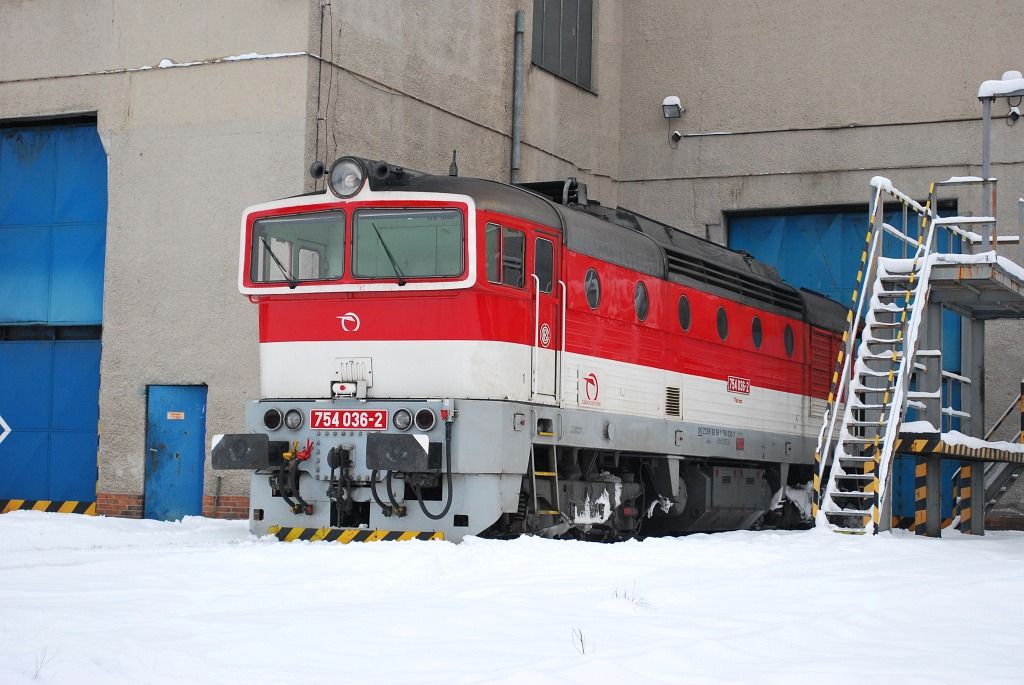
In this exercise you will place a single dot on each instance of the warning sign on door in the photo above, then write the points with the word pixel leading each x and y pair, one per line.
pixel 175 416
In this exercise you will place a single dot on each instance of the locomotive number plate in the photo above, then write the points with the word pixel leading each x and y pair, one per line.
pixel 349 419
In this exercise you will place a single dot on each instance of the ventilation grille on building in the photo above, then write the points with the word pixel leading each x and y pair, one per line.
pixel 672 407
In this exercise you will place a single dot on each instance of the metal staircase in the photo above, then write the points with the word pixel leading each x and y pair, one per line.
pixel 878 393
pixel 1000 476
pixel 883 370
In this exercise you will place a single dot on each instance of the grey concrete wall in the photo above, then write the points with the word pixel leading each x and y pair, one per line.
pixel 188 148
pixel 410 82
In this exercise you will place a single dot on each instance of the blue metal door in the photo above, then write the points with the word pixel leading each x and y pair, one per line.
pixel 53 208
pixel 821 251
pixel 175 451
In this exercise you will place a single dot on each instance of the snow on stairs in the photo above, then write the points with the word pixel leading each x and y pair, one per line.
pixel 860 449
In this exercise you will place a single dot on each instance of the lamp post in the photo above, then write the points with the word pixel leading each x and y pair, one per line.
pixel 1011 85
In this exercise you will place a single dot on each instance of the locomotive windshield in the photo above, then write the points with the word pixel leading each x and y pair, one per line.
pixel 404 243
pixel 290 249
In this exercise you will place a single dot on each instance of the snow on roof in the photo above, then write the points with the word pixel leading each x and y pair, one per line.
pixel 958 438
pixel 963 179
pixel 990 257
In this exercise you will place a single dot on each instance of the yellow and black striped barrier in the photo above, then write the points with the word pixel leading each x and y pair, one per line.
pixel 932 444
pixel 87 508
pixel 346 535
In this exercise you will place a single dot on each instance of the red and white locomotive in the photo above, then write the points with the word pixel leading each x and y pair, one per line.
pixel 453 355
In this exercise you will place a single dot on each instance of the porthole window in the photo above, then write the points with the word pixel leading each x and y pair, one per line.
pixel 640 302
pixel 684 313
pixel 723 323
pixel 756 333
pixel 787 338
pixel 592 288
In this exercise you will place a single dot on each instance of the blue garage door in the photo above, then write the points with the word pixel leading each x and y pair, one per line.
pixel 53 208
pixel 821 251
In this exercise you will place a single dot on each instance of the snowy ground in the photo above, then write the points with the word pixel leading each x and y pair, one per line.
pixel 97 600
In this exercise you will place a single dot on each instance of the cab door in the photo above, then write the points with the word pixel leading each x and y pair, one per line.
pixel 548 294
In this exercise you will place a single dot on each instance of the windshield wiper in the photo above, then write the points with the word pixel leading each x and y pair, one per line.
pixel 287 272
pixel 391 257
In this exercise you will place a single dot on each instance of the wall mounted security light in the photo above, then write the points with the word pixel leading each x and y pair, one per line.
pixel 671 107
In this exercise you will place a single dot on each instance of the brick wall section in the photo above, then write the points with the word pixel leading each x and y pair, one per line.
pixel 228 507
pixel 1004 523
pixel 117 504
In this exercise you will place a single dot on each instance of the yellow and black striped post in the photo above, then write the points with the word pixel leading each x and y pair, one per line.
pixel 920 494
pixel 965 488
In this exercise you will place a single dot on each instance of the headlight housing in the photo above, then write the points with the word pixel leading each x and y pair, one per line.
pixel 272 419
pixel 425 419
pixel 346 177
pixel 293 419
pixel 401 419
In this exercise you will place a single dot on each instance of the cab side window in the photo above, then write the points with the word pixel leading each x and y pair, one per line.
pixel 504 254
pixel 544 263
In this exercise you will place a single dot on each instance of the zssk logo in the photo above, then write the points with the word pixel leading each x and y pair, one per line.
pixel 349 322
pixel 590 387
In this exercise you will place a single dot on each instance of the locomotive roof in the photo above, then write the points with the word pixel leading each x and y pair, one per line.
pixel 632 240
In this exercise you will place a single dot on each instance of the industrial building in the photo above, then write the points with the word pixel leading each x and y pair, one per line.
pixel 134 133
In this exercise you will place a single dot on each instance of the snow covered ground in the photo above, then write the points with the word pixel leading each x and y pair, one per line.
pixel 98 600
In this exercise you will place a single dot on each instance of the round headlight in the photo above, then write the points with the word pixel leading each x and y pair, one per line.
pixel 346 177
pixel 424 419
pixel 293 419
pixel 401 419
pixel 272 419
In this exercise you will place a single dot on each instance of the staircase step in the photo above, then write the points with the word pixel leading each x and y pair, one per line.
pixel 856 476
pixel 847 512
pixel 851 494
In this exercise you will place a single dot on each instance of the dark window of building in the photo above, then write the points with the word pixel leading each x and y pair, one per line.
pixel 562 38
pixel 756 333
pixel 787 338
pixel 684 312
pixel 504 255
pixel 640 302
pixel 544 263
pixel 592 288
pixel 723 323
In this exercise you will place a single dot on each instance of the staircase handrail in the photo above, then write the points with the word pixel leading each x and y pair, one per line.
pixel 828 423
pixel 906 368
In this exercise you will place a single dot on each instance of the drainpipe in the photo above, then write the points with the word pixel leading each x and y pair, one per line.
pixel 517 97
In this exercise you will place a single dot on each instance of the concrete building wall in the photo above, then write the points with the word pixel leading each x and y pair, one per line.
pixel 813 99
pixel 188 148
